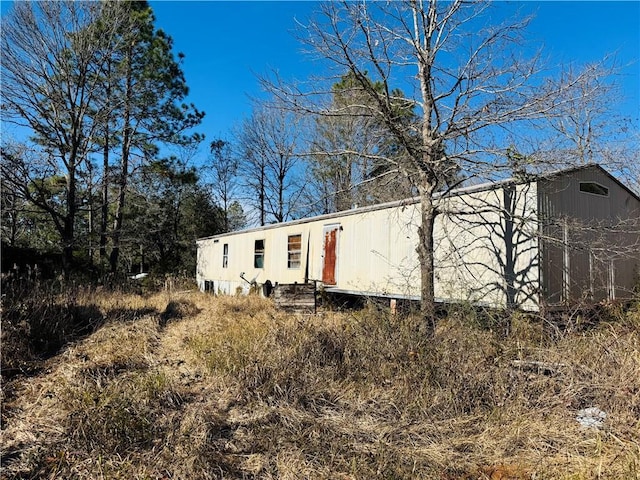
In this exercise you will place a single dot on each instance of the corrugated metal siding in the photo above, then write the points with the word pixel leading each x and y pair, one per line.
pixel 582 258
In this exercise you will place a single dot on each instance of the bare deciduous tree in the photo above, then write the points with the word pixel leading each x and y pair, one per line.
pixel 268 145
pixel 587 129
pixel 472 88
pixel 224 168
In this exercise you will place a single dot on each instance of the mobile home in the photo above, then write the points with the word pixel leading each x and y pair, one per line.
pixel 558 239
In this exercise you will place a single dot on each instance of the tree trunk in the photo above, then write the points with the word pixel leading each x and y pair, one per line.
pixel 122 187
pixel 124 165
pixel 91 216
pixel 104 219
pixel 426 257
pixel 262 195
pixel 68 232
pixel 14 217
pixel 225 200
pixel 104 208
pixel 281 177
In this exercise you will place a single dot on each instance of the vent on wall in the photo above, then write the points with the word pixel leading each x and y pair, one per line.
pixel 594 189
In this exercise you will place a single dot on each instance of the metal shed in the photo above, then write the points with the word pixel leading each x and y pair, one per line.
pixel 562 238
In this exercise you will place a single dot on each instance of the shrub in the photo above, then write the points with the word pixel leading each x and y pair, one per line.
pixel 39 318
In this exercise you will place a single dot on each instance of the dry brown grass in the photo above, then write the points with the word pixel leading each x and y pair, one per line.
pixel 194 386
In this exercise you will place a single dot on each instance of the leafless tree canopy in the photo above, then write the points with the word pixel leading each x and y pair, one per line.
pixel 472 88
pixel 268 144
pixel 586 130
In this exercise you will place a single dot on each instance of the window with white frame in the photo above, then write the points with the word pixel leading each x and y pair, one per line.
pixel 225 255
pixel 294 251
pixel 258 254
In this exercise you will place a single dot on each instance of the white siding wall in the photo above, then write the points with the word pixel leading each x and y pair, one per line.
pixel 377 252
pixel 241 258
pixel 487 247
pixel 478 247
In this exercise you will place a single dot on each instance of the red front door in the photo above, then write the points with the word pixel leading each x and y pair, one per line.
pixel 330 254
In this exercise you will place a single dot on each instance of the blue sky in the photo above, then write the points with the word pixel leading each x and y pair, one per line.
pixel 228 43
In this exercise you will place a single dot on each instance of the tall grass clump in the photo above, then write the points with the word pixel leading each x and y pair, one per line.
pixel 234 334
pixel 38 318
pixel 110 415
pixel 308 361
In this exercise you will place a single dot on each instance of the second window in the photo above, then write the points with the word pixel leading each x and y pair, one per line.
pixel 294 251
pixel 258 257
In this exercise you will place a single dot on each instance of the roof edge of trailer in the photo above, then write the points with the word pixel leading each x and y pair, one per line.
pixel 486 186
pixel 327 216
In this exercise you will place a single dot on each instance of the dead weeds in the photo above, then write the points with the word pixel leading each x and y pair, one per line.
pixel 196 386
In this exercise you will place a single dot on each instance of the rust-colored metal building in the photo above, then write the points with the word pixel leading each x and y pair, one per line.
pixel 568 237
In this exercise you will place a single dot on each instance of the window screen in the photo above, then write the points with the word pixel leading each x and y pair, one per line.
pixel 294 251
pixel 258 256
